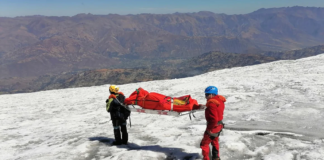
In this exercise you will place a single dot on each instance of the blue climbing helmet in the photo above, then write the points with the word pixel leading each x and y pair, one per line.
pixel 211 90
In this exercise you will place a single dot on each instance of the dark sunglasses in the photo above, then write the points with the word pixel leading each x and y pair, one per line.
pixel 207 94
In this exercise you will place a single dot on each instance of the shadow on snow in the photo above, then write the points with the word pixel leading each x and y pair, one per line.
pixel 172 153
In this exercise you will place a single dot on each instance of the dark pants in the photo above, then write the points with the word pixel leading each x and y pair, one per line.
pixel 120 125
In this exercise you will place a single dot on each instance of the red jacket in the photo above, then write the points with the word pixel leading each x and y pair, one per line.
pixel 214 113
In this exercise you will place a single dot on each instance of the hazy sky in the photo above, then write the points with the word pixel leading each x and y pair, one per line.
pixel 12 8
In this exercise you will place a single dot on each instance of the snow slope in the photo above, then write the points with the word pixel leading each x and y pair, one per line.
pixel 274 111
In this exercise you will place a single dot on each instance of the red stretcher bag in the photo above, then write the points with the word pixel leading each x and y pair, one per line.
pixel 156 101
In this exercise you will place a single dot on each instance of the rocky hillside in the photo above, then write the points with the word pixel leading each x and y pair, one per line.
pixel 38 45
pixel 295 54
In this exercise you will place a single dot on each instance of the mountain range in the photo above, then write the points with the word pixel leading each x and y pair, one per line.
pixel 42 46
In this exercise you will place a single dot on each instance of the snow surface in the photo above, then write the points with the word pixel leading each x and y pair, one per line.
pixel 274 111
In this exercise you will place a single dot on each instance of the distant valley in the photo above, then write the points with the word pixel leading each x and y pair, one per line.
pixel 180 68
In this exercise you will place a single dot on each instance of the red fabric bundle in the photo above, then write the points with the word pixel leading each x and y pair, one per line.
pixel 156 101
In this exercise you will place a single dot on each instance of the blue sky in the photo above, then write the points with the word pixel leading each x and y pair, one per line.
pixel 12 8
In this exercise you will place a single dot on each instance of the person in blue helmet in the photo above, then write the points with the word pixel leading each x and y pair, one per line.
pixel 214 116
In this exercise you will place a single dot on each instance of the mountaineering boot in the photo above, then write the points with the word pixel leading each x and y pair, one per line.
pixel 115 143
pixel 124 134
pixel 117 137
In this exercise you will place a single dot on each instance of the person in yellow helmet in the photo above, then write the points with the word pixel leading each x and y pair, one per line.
pixel 118 115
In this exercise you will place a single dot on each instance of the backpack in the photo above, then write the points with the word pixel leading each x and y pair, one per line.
pixel 124 111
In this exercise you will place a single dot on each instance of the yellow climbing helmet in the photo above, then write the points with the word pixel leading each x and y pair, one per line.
pixel 113 89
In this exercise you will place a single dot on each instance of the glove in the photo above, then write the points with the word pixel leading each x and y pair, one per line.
pixel 202 106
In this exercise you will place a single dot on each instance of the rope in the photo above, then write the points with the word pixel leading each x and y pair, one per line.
pixel 137 91
pixel 171 104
